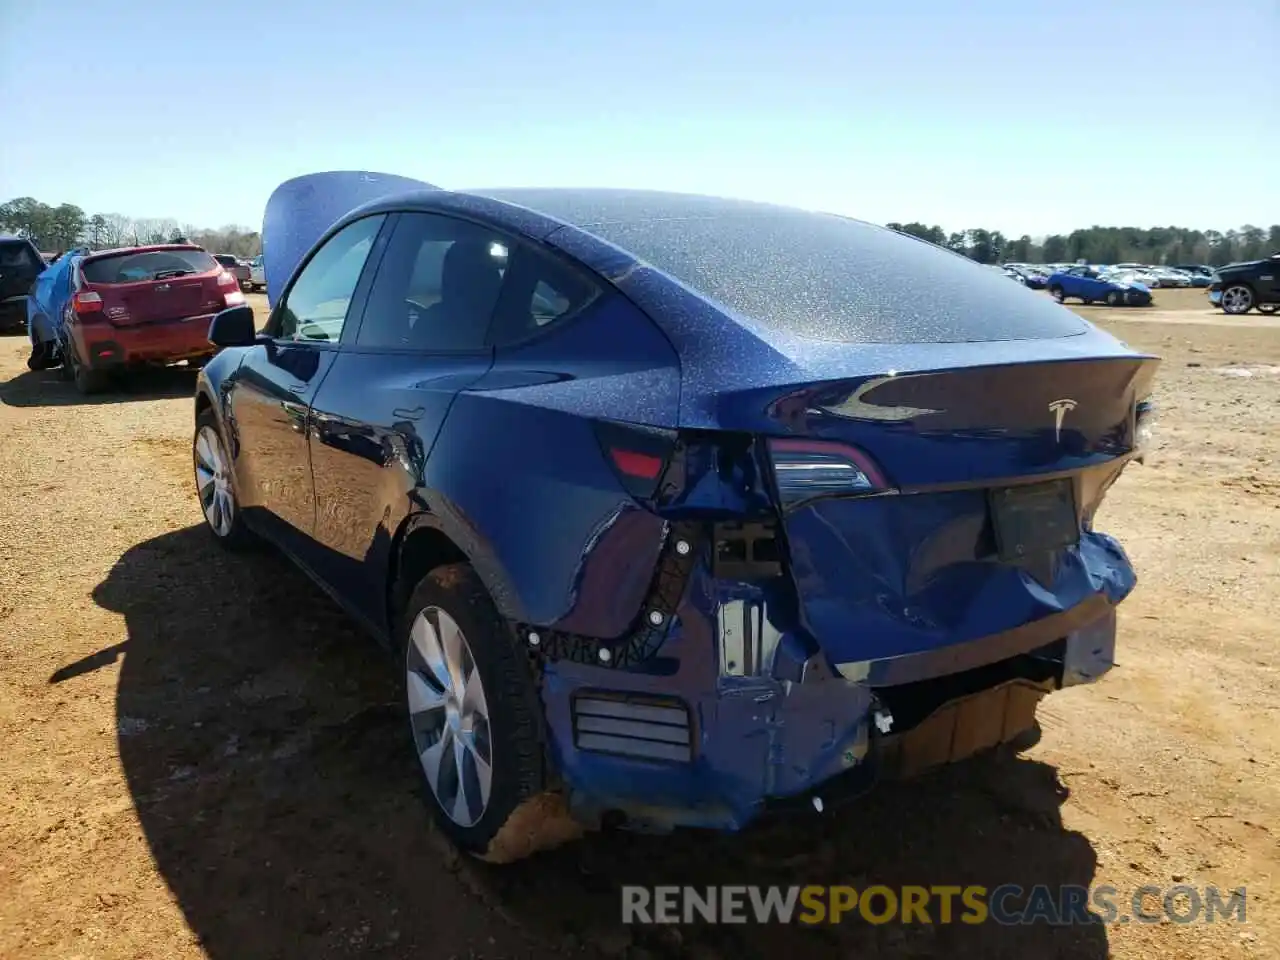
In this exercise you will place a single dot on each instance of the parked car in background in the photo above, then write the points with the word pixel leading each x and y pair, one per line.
pixel 1240 287
pixel 1169 277
pixel 142 305
pixel 1201 269
pixel 1085 284
pixel 234 266
pixel 257 274
pixel 1035 279
pixel 608 471
pixel 20 264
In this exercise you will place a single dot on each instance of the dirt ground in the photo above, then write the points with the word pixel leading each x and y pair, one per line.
pixel 201 756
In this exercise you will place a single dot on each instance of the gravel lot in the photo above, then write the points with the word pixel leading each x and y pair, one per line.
pixel 201 756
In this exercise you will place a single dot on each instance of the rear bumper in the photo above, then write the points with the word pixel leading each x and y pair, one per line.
pixel 684 744
pixel 102 345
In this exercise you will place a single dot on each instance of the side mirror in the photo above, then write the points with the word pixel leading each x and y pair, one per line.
pixel 234 327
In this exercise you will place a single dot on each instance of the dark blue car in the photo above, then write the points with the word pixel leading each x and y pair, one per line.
pixel 671 508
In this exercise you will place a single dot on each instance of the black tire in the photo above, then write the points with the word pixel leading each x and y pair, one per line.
pixel 1114 298
pixel 1057 294
pixel 1268 308
pixel 88 381
pixel 238 536
pixel 513 733
pixel 1242 302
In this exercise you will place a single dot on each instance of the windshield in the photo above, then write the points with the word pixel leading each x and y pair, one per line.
pixel 17 255
pixel 147 265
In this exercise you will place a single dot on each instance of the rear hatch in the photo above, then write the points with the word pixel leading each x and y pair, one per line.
pixel 148 286
pixel 19 267
pixel 934 508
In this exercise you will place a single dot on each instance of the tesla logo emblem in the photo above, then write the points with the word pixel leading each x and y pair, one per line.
pixel 1060 409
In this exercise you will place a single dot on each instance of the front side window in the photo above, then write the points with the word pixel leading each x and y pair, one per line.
pixel 436 286
pixel 316 306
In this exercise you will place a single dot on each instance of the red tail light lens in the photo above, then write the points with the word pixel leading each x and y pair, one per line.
pixel 807 469
pixel 226 280
pixel 638 454
pixel 86 301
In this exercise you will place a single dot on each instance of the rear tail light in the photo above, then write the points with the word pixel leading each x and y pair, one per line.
pixel 226 280
pixel 86 301
pixel 638 454
pixel 806 469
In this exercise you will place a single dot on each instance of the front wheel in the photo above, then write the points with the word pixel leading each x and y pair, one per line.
pixel 213 484
pixel 476 721
pixel 1237 299
pixel 1057 294
pixel 1114 298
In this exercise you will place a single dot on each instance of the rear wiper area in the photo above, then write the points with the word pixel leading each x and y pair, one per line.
pixel 170 274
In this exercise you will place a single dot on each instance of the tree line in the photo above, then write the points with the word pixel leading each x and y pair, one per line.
pixel 1154 245
pixel 55 229
pixel 58 228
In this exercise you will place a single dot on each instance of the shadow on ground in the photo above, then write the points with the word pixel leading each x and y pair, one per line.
pixel 275 782
pixel 48 388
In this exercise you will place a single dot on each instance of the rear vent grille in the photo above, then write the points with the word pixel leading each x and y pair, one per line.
pixel 650 728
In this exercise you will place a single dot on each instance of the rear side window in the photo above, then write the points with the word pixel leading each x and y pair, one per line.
pixel 436 286
pixel 19 257
pixel 540 290
pixel 147 265
pixel 225 259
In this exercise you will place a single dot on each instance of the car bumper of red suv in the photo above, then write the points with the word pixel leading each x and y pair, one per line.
pixel 103 345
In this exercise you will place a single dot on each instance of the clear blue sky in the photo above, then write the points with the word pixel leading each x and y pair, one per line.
pixel 1020 116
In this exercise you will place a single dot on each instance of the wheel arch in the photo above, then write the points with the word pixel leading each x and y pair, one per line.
pixel 423 542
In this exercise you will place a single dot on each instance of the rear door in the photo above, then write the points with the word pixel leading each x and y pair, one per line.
pixel 374 421
pixel 275 384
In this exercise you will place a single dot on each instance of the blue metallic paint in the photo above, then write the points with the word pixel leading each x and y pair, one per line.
pixel 502 460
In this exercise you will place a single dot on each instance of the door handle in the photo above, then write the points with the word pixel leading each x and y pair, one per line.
pixel 400 413
pixel 297 388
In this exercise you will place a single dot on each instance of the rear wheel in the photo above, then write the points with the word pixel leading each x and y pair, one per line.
pixel 1114 298
pixel 87 380
pixel 1268 308
pixel 1237 299
pixel 476 721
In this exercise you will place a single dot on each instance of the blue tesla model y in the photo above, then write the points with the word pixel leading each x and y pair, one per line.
pixel 671 508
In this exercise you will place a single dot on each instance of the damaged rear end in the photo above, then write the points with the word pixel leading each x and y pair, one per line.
pixel 880 551
pixel 888 579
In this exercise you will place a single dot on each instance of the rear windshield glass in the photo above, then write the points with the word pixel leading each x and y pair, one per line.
pixel 829 278
pixel 18 256
pixel 148 265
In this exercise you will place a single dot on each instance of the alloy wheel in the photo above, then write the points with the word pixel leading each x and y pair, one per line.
pixel 449 716
pixel 213 481
pixel 1237 299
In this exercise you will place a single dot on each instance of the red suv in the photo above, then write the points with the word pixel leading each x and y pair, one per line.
pixel 143 305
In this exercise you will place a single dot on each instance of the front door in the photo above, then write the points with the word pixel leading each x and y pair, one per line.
pixel 272 391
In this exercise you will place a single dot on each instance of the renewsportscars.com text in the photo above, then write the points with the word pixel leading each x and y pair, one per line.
pixel 1008 904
